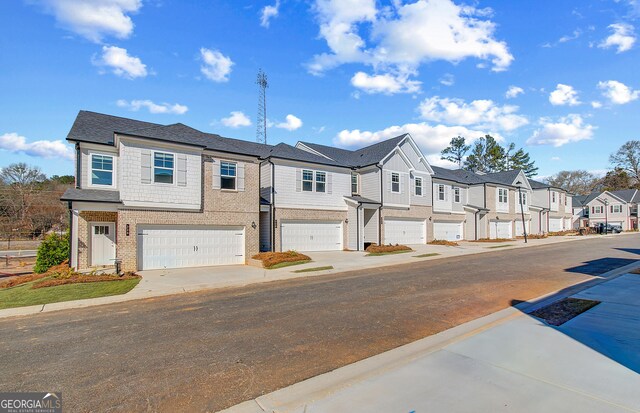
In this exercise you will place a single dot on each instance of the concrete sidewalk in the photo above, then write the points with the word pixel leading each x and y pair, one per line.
pixel 158 283
pixel 508 361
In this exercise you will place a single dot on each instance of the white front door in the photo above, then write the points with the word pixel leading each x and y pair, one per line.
pixel 404 231
pixel 179 246
pixel 103 243
pixel 447 231
pixel 500 229
pixel 311 235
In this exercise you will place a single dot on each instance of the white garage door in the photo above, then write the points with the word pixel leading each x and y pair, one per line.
pixel 519 232
pixel 404 231
pixel 555 224
pixel 311 235
pixel 500 229
pixel 177 246
pixel 567 223
pixel 448 231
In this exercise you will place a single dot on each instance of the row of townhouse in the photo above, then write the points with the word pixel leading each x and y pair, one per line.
pixel 169 196
pixel 614 207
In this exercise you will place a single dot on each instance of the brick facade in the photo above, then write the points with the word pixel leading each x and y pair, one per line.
pixel 85 218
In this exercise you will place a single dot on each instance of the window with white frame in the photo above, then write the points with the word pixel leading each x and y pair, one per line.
pixel 321 181
pixel 523 198
pixel 616 209
pixel 598 209
pixel 354 183
pixel 565 200
pixel 101 170
pixel 162 168
pixel 553 197
pixel 503 195
pixel 395 182
pixel 307 180
pixel 441 193
pixel 228 175
pixel 456 195
pixel 418 185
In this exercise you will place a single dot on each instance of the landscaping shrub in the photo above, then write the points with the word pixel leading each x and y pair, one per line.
pixel 376 249
pixel 561 233
pixel 269 259
pixel 444 242
pixel 53 251
pixel 534 236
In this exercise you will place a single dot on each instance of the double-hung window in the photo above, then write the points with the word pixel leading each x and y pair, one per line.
pixel 553 197
pixel 456 195
pixel 228 173
pixel 597 209
pixel 354 183
pixel 503 195
pixel 616 209
pixel 418 183
pixel 395 182
pixel 441 194
pixel 101 170
pixel 307 180
pixel 162 168
pixel 321 181
pixel 523 198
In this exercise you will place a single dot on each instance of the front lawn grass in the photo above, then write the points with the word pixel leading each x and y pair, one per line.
pixel 432 254
pixel 23 295
pixel 286 264
pixel 377 254
pixel 328 267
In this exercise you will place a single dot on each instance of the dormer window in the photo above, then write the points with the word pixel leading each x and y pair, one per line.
pixel 101 170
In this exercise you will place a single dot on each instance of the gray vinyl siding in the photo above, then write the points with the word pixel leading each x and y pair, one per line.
pixel 414 158
pixel 476 196
pixel 372 226
pixel 370 184
pixel 265 181
pixel 352 228
pixel 425 199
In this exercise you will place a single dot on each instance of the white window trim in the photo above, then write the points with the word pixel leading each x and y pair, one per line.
pixel 235 181
pixel 416 186
pixel 302 180
pixel 153 168
pixel 459 195
pixel 617 206
pixel 357 176
pixel 90 169
pixel 398 175
pixel 315 182
pixel 444 193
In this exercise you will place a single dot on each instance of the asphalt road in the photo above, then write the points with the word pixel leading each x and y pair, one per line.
pixel 207 351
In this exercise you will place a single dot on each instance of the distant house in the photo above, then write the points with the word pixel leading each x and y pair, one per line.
pixel 552 208
pixel 613 207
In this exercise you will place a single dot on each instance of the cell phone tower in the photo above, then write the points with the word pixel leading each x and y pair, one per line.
pixel 261 121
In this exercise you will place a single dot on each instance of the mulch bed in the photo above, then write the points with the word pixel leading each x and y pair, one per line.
pixel 564 310
pixel 376 249
pixel 269 259
pixel 492 240
pixel 78 279
pixel 444 242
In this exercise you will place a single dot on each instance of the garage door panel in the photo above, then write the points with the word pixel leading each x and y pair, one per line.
pixel 404 231
pixel 519 232
pixel 447 231
pixel 311 235
pixel 173 246
pixel 555 224
pixel 500 229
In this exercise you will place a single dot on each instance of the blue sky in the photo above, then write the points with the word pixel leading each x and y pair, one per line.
pixel 558 78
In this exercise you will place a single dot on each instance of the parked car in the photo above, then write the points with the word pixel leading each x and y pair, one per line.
pixel 610 229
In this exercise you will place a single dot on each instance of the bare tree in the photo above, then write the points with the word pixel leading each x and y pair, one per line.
pixel 579 182
pixel 627 158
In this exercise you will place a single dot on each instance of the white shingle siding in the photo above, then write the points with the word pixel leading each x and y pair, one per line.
pixel 338 185
pixel 265 181
pixel 135 193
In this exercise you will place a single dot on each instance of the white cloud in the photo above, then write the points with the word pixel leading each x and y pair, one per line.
pixel 484 114
pixel 567 38
pixel 94 19
pixel 387 84
pixel 555 158
pixel 155 108
pixel 432 139
pixel 291 123
pixel 617 92
pixel 269 12
pixel 513 92
pixel 216 66
pixel 571 128
pixel 564 95
pixel 596 105
pixel 447 79
pixel 120 63
pixel 399 38
pixel 15 143
pixel 622 38
pixel 237 119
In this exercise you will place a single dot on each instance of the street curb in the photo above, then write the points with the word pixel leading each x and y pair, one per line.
pixel 141 295
pixel 294 398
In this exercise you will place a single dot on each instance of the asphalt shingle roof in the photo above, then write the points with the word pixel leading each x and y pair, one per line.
pixel 366 156
pixel 99 128
pixel 626 194
pixel 91 195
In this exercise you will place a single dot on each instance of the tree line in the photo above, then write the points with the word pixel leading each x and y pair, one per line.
pixel 486 155
pixel 30 202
